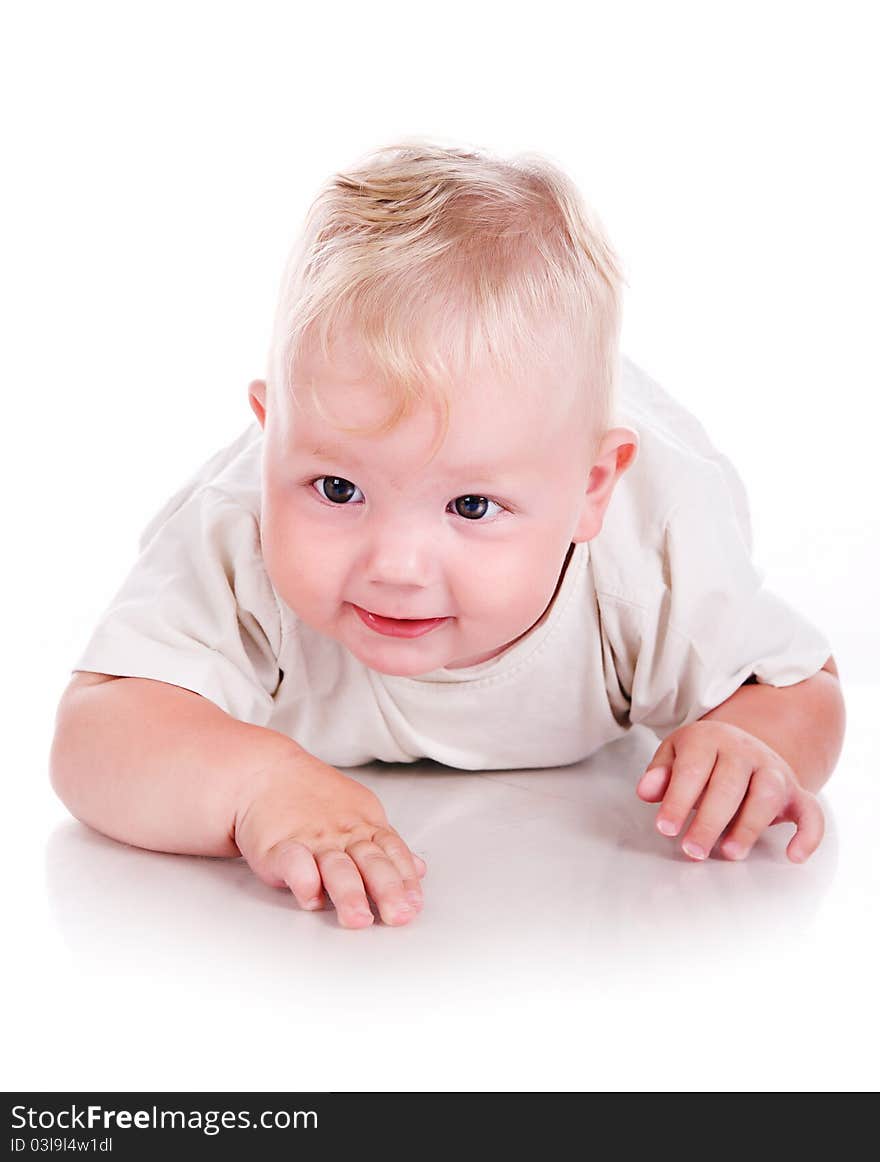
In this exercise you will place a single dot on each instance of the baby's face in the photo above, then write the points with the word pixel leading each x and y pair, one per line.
pixel 354 525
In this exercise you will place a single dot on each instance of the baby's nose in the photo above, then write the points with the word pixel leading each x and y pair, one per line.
pixel 401 557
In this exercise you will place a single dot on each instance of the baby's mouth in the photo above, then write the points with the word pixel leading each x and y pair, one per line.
pixel 398 626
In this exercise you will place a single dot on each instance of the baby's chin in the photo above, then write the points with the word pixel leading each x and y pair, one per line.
pixel 398 659
pixel 410 657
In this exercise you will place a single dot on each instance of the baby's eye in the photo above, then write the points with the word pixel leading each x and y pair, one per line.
pixel 341 491
pixel 336 489
pixel 473 507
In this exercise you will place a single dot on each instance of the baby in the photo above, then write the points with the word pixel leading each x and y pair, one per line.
pixel 440 539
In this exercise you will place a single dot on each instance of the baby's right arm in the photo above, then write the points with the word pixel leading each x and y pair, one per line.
pixel 161 767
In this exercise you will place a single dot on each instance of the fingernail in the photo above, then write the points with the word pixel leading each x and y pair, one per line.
pixel 414 898
pixel 693 849
pixel 667 827
pixel 732 850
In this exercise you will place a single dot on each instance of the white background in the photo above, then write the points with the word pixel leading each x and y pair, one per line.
pixel 158 162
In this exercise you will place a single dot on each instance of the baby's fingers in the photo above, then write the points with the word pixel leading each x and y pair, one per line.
pixel 345 888
pixel 293 864
pixel 691 770
pixel 384 881
pixel 727 790
pixel 652 785
pixel 764 806
pixel 410 867
pixel 804 810
pixel 765 796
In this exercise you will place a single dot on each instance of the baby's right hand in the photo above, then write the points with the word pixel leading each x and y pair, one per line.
pixel 302 824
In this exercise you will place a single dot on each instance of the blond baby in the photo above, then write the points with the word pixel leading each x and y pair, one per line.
pixel 415 553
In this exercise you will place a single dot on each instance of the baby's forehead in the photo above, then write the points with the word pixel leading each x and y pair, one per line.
pixel 483 389
pixel 482 417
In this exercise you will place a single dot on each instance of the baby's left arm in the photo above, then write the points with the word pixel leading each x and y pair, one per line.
pixel 755 760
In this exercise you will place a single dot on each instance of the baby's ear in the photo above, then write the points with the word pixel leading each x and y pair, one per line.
pixel 257 399
pixel 617 452
pixel 626 441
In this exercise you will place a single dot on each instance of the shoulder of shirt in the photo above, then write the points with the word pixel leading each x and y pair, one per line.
pixel 229 484
pixel 233 472
pixel 678 473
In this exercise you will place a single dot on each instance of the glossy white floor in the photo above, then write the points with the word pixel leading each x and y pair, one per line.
pixel 564 945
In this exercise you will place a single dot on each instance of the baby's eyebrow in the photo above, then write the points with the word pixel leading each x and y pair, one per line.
pixel 479 472
pixel 332 452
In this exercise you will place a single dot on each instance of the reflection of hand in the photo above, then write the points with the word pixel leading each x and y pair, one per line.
pixel 303 824
pixel 736 782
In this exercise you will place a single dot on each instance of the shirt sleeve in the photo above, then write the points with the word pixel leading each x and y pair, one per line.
pixel 197 610
pixel 710 623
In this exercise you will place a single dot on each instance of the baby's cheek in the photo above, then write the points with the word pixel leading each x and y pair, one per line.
pixel 504 585
pixel 282 558
pixel 532 577
pixel 312 575
pixel 281 580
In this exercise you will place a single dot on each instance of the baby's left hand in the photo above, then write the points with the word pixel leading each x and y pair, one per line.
pixel 744 784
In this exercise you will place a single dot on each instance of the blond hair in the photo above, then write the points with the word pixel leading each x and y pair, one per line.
pixel 440 257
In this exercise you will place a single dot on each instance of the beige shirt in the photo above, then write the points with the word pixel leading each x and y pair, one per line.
pixel 658 619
